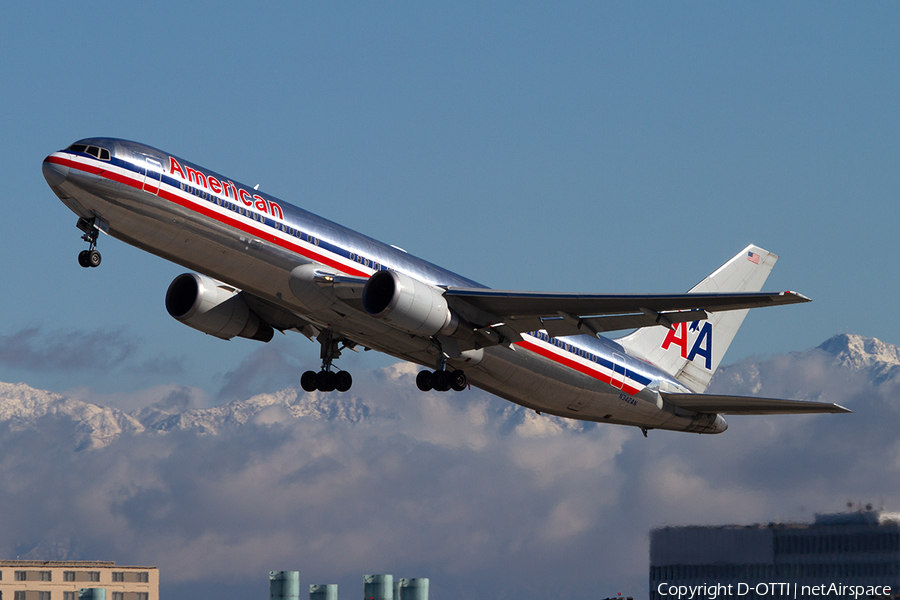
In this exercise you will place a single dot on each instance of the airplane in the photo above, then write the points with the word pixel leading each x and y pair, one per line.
pixel 260 264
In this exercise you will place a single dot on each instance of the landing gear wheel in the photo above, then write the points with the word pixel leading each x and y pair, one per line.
pixel 83 258
pixel 93 258
pixel 440 380
pixel 423 381
pixel 343 381
pixel 326 381
pixel 458 380
pixel 308 381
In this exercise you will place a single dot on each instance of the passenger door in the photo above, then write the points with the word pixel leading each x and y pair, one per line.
pixel 618 377
pixel 152 173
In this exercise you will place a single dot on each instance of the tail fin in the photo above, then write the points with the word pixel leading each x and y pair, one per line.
pixel 691 352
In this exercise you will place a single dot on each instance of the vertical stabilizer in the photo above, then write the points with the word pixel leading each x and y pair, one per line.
pixel 691 352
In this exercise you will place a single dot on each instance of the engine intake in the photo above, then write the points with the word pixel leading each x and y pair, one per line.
pixel 408 304
pixel 214 308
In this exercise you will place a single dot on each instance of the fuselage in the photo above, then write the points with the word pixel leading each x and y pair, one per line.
pixel 233 233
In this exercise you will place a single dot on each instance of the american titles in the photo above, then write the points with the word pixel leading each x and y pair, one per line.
pixel 702 343
pixel 226 189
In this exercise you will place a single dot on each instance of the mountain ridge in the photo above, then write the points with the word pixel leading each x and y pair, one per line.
pixel 96 426
pixel 879 359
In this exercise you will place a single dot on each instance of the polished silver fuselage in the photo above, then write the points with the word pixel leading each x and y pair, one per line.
pixel 247 239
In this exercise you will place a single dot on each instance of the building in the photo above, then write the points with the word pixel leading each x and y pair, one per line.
pixel 860 548
pixel 61 580
pixel 285 585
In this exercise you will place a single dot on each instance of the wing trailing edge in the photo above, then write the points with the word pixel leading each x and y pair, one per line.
pixel 748 405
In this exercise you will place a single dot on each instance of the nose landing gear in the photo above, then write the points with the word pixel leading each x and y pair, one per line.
pixel 89 258
pixel 91 228
pixel 327 380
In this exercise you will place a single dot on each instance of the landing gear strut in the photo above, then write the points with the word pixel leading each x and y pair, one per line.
pixel 327 380
pixel 91 228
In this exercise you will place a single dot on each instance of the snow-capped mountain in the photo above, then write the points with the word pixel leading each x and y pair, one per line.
pixel 94 426
pixel 22 407
pixel 291 402
pixel 878 360
pixel 866 363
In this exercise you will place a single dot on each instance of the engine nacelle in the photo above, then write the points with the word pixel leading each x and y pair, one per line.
pixel 408 304
pixel 214 308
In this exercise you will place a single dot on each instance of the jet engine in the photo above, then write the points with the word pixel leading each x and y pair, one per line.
pixel 214 308
pixel 408 304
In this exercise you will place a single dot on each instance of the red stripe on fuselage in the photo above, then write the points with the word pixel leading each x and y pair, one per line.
pixel 576 365
pixel 205 211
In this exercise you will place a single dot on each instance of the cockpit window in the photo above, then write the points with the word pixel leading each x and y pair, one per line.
pixel 95 151
pixel 101 153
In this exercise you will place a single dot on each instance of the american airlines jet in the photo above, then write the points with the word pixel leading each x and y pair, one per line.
pixel 262 264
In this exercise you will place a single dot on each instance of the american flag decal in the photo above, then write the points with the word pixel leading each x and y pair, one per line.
pixel 753 257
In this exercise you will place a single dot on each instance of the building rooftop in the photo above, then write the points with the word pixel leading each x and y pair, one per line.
pixel 866 516
pixel 68 563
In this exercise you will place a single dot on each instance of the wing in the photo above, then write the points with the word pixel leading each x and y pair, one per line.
pixel 574 314
pixel 510 313
pixel 746 405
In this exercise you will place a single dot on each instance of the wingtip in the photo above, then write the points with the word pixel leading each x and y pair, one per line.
pixel 797 295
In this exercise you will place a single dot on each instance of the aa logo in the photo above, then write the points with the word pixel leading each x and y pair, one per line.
pixel 702 337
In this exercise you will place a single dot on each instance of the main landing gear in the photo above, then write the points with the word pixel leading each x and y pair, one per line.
pixel 327 380
pixel 91 228
pixel 442 380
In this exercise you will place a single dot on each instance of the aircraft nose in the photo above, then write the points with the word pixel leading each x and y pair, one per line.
pixel 54 173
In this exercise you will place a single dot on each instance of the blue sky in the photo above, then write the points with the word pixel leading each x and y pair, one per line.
pixel 586 147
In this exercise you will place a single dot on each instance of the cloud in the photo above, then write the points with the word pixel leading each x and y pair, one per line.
pixel 32 348
pixel 485 498
pixel 169 366
pixel 35 349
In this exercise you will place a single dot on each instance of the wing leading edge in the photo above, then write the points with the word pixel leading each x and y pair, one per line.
pixel 574 314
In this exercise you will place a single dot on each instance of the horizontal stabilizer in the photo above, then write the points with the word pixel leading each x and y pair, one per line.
pixel 748 405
